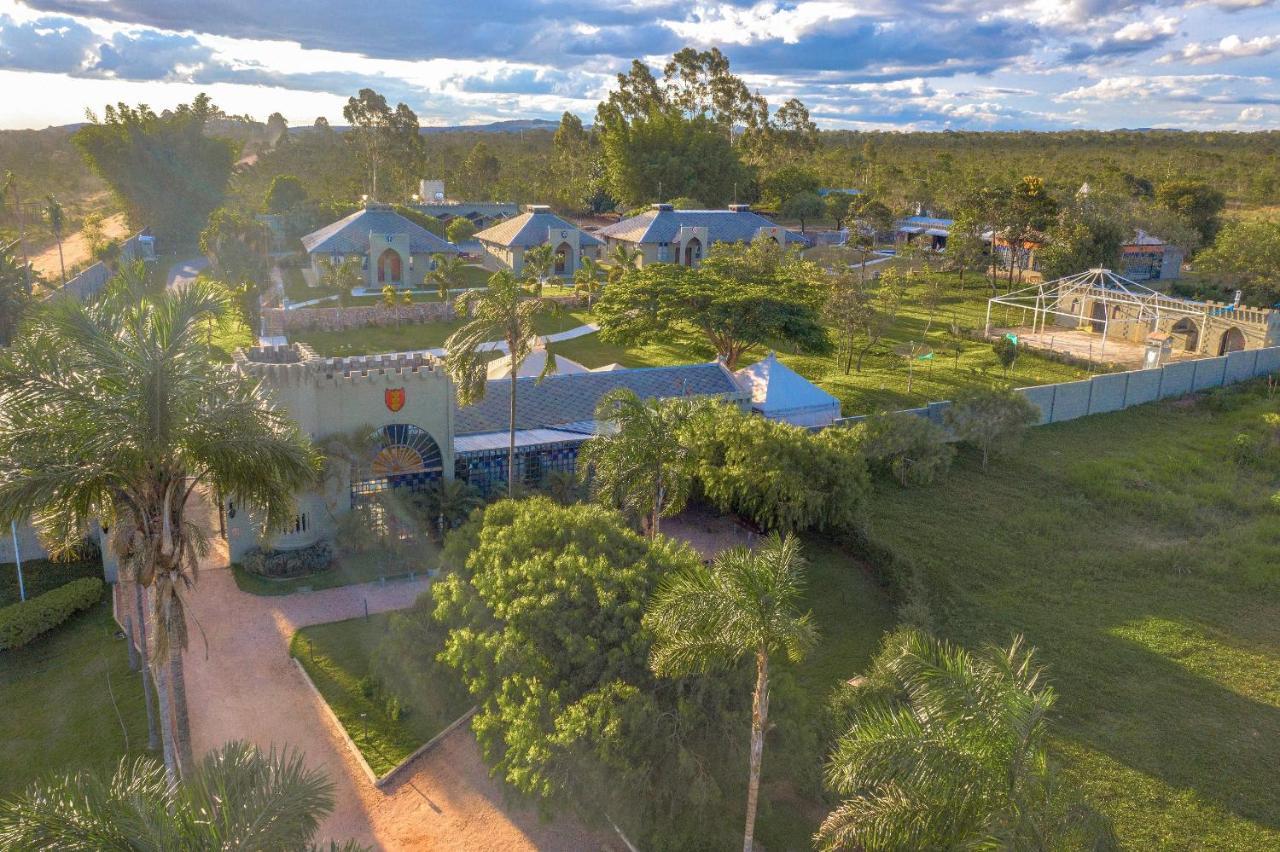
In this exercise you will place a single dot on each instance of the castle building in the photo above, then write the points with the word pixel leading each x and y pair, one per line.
pixel 663 234
pixel 392 249
pixel 507 241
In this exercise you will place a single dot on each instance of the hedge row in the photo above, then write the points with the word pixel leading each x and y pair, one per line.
pixel 22 622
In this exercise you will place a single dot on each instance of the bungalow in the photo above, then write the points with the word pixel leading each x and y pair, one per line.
pixel 931 228
pixel 392 249
pixel 507 242
pixel 663 234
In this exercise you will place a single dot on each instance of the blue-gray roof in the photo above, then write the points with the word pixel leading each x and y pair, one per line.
pixel 531 229
pixel 351 235
pixel 572 398
pixel 723 226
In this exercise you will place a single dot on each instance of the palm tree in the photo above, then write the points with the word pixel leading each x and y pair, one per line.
pixel 15 293
pixel 537 266
pixel 342 276
pixel 445 273
pixel 53 213
pixel 236 798
pixel 504 311
pixel 448 502
pixel 744 603
pixel 947 750
pixel 117 410
pixel 645 466
pixel 586 280
pixel 621 260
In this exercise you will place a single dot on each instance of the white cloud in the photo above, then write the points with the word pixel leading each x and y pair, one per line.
pixel 726 24
pixel 1252 114
pixel 1168 87
pixel 1230 47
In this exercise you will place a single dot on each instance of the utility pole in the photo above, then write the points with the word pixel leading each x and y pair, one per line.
pixel 17 557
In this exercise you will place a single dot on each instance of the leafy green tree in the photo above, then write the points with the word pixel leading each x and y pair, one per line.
pixel 167 172
pixel 744 604
pixel 643 467
pixel 387 139
pixel 284 195
pixel 460 229
pixel 54 216
pixel 92 231
pixel 947 749
pixel 786 183
pixel 576 154
pixel 130 382
pixel 343 276
pixel 993 421
pixel 236 798
pixel 803 206
pixel 586 280
pixel 238 248
pixel 538 263
pixel 965 245
pixel 839 206
pixel 445 274
pixel 861 312
pixel 15 296
pixel 622 259
pixel 1006 349
pixel 741 296
pixel 504 311
pixel 480 171
pixel 911 449
pixel 1081 240
pixel 684 202
pixel 1246 255
pixel 1196 200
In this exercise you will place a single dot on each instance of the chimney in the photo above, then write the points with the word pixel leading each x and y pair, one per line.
pixel 739 208
pixel 662 208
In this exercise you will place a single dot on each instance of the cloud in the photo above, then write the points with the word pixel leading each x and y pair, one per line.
pixel 149 55
pixel 1252 114
pixel 1134 37
pixel 1230 47
pixel 1193 88
pixel 46 44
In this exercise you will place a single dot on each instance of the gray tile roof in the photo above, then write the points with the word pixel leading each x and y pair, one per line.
pixel 530 229
pixel 351 235
pixel 566 399
pixel 662 226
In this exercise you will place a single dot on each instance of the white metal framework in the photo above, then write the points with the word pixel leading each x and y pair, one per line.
pixel 1110 300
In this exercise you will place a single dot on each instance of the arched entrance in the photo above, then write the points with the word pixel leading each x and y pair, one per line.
pixel 693 252
pixel 564 259
pixel 1098 317
pixel 389 271
pixel 1188 332
pixel 403 456
pixel 1232 341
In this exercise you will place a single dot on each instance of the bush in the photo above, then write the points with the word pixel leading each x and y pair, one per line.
pixel 911 449
pixel 287 564
pixel 22 622
pixel 993 421
pixel 460 229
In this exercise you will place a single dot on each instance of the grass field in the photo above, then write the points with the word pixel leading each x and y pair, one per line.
pixel 337 656
pixel 1142 561
pixel 403 338
pixel 882 382
pixel 58 713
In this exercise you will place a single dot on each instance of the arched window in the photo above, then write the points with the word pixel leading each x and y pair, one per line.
pixel 389 271
pixel 564 259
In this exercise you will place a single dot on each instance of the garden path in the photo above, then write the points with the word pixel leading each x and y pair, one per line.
pixel 247 687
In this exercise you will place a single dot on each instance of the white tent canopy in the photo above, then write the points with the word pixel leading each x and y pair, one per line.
pixel 780 393
pixel 533 365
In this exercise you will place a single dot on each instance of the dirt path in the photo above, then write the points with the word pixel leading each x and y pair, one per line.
pixel 249 688
pixel 75 250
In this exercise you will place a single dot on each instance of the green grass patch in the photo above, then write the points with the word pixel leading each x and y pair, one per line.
pixel 347 570
pixel 41 575
pixel 1142 562
pixel 58 715
pixel 403 338
pixel 340 659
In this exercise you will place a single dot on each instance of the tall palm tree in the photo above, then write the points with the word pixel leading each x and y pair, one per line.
pixel 505 311
pixel 645 466
pixel 947 750
pixel 622 259
pixel 236 798
pixel 744 603
pixel 15 293
pixel 445 273
pixel 537 266
pixel 53 213
pixel 586 280
pixel 117 410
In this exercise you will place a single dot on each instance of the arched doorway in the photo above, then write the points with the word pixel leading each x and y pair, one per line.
pixel 693 252
pixel 564 259
pixel 403 456
pixel 1098 317
pixel 1232 341
pixel 1188 332
pixel 389 267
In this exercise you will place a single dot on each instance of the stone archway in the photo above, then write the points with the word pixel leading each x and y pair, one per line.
pixel 390 268
pixel 564 259
pixel 692 252
pixel 1187 330
pixel 1098 317
pixel 1232 340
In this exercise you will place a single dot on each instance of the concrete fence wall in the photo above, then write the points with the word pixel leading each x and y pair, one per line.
pixel 1117 391
pixel 90 282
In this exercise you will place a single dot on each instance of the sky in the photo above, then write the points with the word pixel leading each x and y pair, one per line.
pixel 858 64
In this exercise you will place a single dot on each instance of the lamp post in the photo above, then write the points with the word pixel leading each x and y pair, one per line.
pixel 17 557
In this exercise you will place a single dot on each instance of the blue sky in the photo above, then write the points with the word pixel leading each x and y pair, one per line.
pixel 911 64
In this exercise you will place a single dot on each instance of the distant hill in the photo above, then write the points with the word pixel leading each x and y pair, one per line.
pixel 515 125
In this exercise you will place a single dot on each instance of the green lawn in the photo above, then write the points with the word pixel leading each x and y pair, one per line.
pixel 1143 563
pixel 346 571
pixel 402 338
pixel 41 575
pixel 882 382
pixel 337 656
pixel 57 713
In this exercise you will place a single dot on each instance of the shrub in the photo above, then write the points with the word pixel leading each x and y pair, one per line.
pixel 460 229
pixel 911 449
pixel 22 622
pixel 993 421
pixel 285 564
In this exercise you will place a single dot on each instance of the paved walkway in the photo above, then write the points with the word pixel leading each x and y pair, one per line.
pixel 501 345
pixel 186 270
pixel 249 688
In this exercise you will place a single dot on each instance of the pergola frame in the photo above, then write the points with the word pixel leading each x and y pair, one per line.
pixel 1143 305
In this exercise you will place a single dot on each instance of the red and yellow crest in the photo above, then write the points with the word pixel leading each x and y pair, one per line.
pixel 394 398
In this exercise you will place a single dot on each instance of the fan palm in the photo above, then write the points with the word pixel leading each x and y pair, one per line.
pixel 448 502
pixel 586 280
pixel 537 266
pixel 116 410
pixel 445 273
pixel 947 751
pixel 54 215
pixel 744 603
pixel 504 311
pixel 236 798
pixel 645 466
